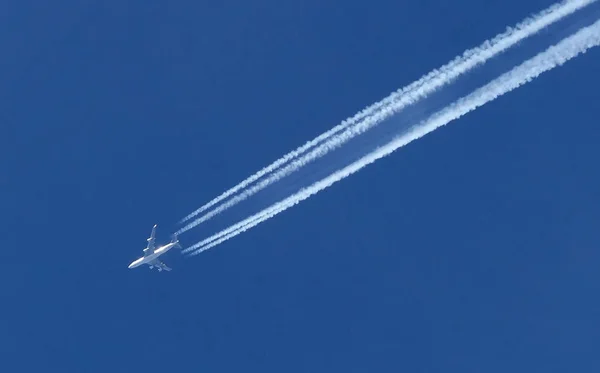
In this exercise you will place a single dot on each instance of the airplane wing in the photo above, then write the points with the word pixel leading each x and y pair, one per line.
pixel 160 265
pixel 150 248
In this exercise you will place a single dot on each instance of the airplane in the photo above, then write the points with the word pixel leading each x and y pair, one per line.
pixel 151 254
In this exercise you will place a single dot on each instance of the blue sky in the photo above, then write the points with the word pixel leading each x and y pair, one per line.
pixel 473 249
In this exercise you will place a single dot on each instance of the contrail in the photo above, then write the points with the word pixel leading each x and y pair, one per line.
pixel 554 56
pixel 398 100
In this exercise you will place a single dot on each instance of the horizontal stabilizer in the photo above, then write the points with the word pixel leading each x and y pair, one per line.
pixel 175 240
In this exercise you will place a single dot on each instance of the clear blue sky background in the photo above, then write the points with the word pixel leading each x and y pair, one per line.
pixel 474 249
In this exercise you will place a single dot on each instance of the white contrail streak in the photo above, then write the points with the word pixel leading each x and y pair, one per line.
pixel 395 102
pixel 554 56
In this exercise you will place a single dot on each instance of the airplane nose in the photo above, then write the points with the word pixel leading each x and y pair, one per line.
pixel 136 263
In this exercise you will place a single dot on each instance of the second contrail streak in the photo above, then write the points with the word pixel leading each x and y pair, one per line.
pixel 554 56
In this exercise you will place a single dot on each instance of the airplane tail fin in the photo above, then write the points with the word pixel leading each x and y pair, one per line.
pixel 175 240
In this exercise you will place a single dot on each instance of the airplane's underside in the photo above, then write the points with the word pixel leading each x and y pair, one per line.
pixel 151 253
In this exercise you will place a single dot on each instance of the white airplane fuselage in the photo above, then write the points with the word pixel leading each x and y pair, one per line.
pixel 158 252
